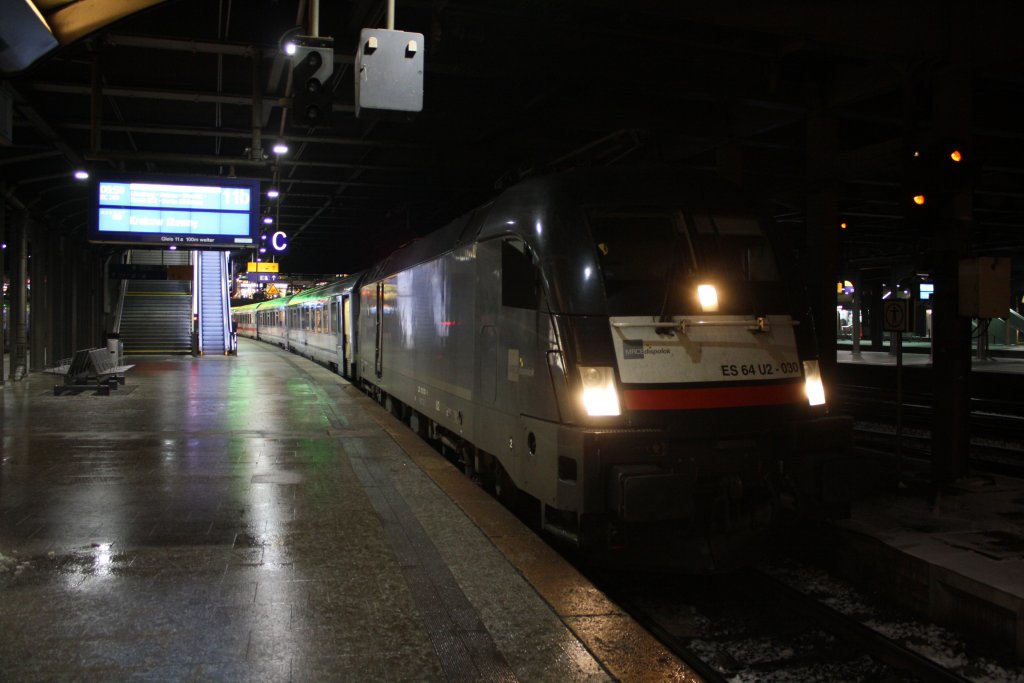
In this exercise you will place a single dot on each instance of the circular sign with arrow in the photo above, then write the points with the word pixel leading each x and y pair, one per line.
pixel 895 314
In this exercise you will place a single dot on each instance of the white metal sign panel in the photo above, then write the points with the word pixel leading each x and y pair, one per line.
pixel 717 348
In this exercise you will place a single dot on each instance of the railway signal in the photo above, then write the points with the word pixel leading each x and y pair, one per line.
pixel 312 65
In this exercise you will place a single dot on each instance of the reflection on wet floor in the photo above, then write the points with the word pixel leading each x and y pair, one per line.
pixel 243 518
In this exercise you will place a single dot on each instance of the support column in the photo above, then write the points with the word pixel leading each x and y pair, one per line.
pixel 3 259
pixel 823 237
pixel 41 316
pixel 58 287
pixel 19 298
pixel 875 314
pixel 858 303
pixel 952 216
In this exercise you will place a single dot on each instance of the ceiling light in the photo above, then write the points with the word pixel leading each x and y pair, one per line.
pixel 82 175
pixel 273 193
pixel 280 148
pixel 290 48
pixel 267 220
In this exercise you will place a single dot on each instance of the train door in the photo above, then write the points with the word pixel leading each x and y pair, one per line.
pixel 378 355
pixel 348 345
pixel 334 330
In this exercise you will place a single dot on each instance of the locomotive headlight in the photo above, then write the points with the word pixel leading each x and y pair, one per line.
pixel 812 383
pixel 708 297
pixel 599 395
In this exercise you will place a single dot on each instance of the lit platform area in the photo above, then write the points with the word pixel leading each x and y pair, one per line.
pixel 258 518
pixel 1010 360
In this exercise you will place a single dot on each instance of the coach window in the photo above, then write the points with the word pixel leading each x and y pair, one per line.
pixel 519 275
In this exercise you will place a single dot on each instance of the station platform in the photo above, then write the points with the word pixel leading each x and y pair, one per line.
pixel 953 554
pixel 258 518
pixel 1009 361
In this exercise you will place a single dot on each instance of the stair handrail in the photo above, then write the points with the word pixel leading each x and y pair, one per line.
pixel 120 306
pixel 197 292
pixel 225 299
pixel 1015 320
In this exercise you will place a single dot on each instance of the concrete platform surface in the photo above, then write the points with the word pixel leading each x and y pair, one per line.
pixel 257 518
pixel 954 555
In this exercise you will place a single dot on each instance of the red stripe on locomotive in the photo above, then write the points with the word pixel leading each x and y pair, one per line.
pixel 715 397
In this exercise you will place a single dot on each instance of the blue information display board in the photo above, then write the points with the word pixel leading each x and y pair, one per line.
pixel 210 212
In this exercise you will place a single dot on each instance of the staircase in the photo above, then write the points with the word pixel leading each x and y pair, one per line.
pixel 213 303
pixel 156 317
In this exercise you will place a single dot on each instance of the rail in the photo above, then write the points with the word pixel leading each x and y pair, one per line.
pixel 850 630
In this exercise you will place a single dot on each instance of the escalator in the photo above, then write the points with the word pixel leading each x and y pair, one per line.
pixel 213 303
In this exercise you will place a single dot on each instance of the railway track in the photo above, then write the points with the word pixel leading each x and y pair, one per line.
pixel 756 626
pixel 996 427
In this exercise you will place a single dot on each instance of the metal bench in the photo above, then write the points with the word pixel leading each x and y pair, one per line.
pixel 90 369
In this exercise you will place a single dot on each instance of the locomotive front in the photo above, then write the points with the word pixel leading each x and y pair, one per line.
pixel 695 377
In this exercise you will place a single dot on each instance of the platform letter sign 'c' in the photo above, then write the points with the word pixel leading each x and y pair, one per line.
pixel 279 241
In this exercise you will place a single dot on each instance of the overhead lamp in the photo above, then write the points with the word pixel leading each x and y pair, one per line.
pixel 273 193
pixel 173 248
pixel 280 148
pixel 81 175
pixel 267 220
pixel 263 250
pixel 290 48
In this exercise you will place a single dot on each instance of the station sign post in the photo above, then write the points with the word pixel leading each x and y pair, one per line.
pixel 896 320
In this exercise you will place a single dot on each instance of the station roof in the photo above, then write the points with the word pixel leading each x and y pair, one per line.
pixel 790 97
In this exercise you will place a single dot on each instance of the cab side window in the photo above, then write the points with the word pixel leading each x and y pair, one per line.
pixel 519 276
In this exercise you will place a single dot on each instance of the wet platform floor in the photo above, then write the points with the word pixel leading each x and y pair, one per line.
pixel 257 518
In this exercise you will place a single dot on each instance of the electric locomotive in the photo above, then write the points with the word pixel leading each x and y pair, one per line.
pixel 619 344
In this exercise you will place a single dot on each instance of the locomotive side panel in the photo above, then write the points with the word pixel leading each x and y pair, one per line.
pixel 526 341
pixel 417 331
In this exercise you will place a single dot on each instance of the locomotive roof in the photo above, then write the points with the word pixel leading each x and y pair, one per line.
pixel 547 195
